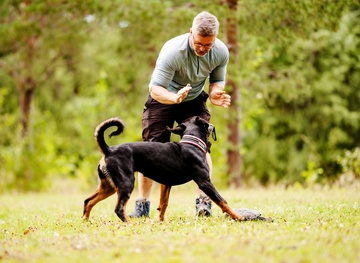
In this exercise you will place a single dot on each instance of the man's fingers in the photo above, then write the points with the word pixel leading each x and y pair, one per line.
pixel 218 94
pixel 183 93
pixel 185 89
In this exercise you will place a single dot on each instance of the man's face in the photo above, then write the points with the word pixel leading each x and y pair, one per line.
pixel 201 45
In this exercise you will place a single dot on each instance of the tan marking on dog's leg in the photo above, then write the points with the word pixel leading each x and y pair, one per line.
pixel 127 218
pixel 227 209
pixel 164 200
pixel 103 191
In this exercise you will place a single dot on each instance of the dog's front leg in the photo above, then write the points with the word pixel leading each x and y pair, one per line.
pixel 164 200
pixel 209 189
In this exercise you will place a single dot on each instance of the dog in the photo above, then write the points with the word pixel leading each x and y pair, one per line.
pixel 170 164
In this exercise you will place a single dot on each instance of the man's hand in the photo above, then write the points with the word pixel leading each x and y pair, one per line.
pixel 163 96
pixel 181 94
pixel 219 98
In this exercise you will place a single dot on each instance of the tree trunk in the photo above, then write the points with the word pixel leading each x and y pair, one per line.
pixel 234 162
pixel 22 75
pixel 26 89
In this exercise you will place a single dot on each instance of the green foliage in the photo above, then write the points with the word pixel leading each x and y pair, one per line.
pixel 90 60
pixel 350 163
pixel 306 111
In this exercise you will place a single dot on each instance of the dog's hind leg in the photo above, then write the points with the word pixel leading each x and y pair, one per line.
pixel 164 200
pixel 120 209
pixel 104 190
pixel 125 182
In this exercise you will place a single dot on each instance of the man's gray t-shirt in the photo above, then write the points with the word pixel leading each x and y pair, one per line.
pixel 178 65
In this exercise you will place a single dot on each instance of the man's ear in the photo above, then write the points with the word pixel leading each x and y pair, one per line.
pixel 177 130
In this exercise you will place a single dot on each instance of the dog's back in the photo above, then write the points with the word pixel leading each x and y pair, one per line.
pixel 166 163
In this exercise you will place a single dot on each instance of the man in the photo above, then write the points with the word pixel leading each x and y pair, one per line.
pixel 177 92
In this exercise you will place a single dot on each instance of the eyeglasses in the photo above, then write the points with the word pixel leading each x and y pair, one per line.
pixel 200 45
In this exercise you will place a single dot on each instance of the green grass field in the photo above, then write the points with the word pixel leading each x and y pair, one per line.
pixel 309 226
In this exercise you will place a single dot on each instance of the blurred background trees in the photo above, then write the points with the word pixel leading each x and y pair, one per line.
pixel 65 66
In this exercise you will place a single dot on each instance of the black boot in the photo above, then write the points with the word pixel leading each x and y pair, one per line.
pixel 142 208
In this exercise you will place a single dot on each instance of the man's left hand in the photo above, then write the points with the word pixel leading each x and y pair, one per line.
pixel 219 98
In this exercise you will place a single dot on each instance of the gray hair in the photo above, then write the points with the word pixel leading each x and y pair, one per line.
pixel 205 24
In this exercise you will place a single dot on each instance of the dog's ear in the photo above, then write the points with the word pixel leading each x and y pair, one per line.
pixel 177 130
pixel 209 128
pixel 201 121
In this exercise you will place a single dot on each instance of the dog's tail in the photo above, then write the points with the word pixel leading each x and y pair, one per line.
pixel 101 128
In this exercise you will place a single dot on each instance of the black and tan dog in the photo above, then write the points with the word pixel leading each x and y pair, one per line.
pixel 169 164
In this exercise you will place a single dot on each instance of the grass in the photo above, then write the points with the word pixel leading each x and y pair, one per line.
pixel 310 226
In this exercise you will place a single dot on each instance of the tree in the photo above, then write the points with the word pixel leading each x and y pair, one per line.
pixel 304 75
pixel 67 65
pixel 234 162
pixel 34 45
pixel 40 37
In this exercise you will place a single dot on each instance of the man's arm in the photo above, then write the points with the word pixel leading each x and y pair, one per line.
pixel 164 96
pixel 217 95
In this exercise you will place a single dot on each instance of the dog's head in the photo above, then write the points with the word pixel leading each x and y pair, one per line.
pixel 196 126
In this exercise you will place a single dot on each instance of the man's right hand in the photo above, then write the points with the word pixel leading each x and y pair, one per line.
pixel 163 96
pixel 181 94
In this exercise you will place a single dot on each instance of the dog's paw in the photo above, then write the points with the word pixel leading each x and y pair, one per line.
pixel 250 214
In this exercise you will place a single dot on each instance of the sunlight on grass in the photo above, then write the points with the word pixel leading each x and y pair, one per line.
pixel 309 226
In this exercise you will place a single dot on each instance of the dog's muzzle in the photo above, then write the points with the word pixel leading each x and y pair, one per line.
pixel 211 130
